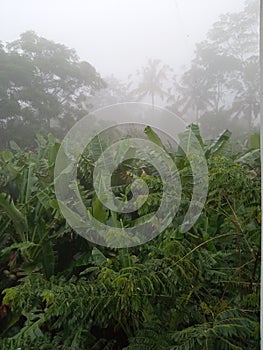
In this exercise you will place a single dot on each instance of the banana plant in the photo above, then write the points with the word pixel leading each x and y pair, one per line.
pixel 28 209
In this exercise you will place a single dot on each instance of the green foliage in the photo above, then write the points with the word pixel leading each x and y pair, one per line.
pixel 198 290
pixel 43 86
pixel 181 291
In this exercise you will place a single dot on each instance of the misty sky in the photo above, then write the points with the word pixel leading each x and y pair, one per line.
pixel 118 36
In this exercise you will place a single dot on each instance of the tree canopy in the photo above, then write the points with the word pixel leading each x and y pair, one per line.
pixel 223 78
pixel 43 85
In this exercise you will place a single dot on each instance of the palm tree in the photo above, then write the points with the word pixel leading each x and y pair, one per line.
pixel 194 95
pixel 152 83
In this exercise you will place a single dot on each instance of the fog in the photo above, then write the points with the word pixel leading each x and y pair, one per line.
pixel 155 52
pixel 118 36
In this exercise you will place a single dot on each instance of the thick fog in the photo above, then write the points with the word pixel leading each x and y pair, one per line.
pixel 197 59
pixel 118 36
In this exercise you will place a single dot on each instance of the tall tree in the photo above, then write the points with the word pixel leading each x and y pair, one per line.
pixel 224 74
pixel 153 76
pixel 44 86
pixel 194 95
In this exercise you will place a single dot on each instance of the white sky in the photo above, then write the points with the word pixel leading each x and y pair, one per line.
pixel 118 36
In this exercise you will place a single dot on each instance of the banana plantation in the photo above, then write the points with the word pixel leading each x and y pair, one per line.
pixel 196 290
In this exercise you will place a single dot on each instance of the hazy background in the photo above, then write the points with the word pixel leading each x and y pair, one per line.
pixel 118 36
pixel 150 51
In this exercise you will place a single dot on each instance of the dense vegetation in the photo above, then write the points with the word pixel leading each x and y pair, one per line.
pixel 180 291
pixel 198 290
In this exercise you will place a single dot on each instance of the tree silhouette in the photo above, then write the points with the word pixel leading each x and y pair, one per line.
pixel 153 77
pixel 43 86
pixel 224 75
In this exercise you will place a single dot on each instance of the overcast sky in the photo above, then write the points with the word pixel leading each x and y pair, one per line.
pixel 118 36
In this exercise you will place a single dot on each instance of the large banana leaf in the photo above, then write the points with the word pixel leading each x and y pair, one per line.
pixel 189 140
pixel 217 146
pixel 152 136
pixel 251 158
pixel 17 217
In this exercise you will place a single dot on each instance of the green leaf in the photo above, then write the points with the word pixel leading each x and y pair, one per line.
pixel 14 214
pixel 251 158
pixel 255 140
pixel 7 155
pixel 52 154
pixel 194 128
pixel 53 203
pixel 31 180
pixel 44 199
pixel 218 144
pixel 190 141
pixel 141 220
pixel 152 136
pixel 99 212
pixel 99 258
pixel 47 258
pixel 14 146
pixel 22 247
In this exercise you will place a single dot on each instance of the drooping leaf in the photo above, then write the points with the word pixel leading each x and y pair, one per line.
pixel 250 158
pixel 19 220
pixel 152 136
pixel 218 144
